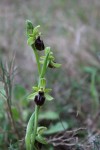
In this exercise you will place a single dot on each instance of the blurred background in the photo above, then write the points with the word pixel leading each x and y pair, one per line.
pixel 72 29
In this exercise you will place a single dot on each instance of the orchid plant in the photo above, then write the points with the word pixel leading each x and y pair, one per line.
pixel 40 94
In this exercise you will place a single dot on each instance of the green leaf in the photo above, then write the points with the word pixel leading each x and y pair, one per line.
pixel 41 139
pixel 15 113
pixel 29 130
pixel 32 96
pixel 41 130
pixel 49 115
pixel 30 41
pixel 90 69
pixel 58 127
pixel 48 97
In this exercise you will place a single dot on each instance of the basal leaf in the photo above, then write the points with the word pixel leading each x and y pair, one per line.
pixel 41 130
pixel 58 127
pixel 49 115
pixel 41 139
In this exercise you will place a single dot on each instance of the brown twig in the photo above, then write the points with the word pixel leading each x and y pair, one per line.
pixel 66 138
pixel 7 81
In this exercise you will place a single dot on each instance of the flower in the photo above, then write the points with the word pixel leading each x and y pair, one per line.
pixel 39 45
pixel 40 98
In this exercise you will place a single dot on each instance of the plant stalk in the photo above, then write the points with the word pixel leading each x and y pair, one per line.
pixel 43 71
pixel 37 59
pixel 41 75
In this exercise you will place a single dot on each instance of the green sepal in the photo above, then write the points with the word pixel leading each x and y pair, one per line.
pixel 36 32
pixel 41 130
pixel 30 41
pixel 47 90
pixel 41 139
pixel 32 33
pixel 55 65
pixel 48 97
pixel 51 58
pixel 35 88
pixel 32 96
pixel 42 57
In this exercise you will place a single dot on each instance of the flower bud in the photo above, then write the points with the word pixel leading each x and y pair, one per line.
pixel 50 65
pixel 29 27
pixel 39 44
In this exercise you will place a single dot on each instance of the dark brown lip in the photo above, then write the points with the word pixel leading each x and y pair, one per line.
pixel 39 44
pixel 39 99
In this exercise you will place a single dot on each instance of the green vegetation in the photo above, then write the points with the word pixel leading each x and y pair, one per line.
pixel 71 121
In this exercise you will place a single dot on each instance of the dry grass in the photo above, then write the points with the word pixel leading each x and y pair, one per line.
pixel 70 27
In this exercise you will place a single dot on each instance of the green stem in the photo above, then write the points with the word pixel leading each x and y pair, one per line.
pixel 30 137
pixel 43 71
pixel 37 59
pixel 37 107
pixel 35 125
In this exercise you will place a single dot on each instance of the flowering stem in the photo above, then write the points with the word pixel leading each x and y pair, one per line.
pixel 37 59
pixel 36 106
pixel 43 71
